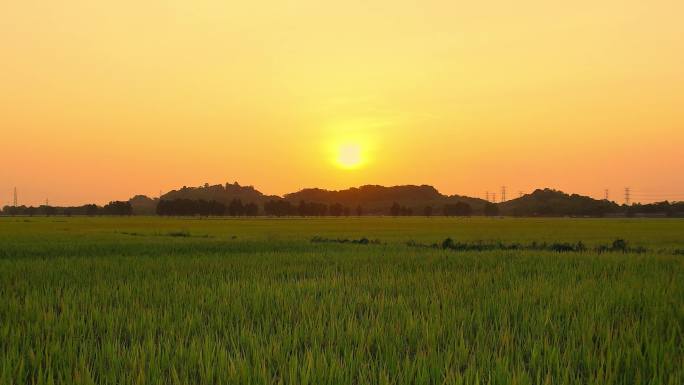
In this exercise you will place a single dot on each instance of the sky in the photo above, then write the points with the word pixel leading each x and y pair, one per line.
pixel 100 101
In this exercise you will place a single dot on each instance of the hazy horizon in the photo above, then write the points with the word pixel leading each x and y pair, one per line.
pixel 102 102
pixel 490 195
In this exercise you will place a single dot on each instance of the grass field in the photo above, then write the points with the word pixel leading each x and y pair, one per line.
pixel 255 301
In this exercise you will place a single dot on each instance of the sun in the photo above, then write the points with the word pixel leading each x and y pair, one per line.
pixel 349 156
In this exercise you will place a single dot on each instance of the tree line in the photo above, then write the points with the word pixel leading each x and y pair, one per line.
pixel 236 208
pixel 458 209
pixel 281 208
pixel 188 207
pixel 668 209
pixel 111 208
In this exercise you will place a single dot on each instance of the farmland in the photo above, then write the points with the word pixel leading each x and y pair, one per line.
pixel 340 301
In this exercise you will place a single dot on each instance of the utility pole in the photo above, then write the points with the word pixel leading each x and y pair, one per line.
pixel 15 197
pixel 627 193
pixel 503 193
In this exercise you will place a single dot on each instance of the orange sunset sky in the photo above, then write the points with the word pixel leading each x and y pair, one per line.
pixel 104 100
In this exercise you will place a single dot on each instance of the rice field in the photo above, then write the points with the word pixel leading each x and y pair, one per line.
pixel 145 300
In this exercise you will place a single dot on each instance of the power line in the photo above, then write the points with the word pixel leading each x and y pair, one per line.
pixel 658 193
pixel 656 197
pixel 627 196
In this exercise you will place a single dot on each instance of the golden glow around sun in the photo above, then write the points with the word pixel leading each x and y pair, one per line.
pixel 349 155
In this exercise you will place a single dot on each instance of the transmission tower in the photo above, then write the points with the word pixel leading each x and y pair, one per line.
pixel 627 193
pixel 487 196
pixel 503 193
pixel 494 197
pixel 15 197
pixel 520 194
pixel 605 195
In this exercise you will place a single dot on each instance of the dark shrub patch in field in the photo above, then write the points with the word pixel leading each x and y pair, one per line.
pixel 567 247
pixel 619 245
pixel 361 241
pixel 413 243
pixel 181 233
pixel 132 234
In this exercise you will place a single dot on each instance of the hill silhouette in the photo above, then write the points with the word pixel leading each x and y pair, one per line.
pixel 220 193
pixel 375 199
pixel 236 200
pixel 548 202
pixel 425 200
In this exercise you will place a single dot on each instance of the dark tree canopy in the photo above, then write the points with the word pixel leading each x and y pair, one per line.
pixel 279 208
pixel 236 208
pixel 491 209
pixel 336 210
pixel 188 207
pixel 458 209
pixel 117 208
pixel 395 210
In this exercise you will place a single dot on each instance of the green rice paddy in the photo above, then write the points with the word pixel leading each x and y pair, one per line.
pixel 144 300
